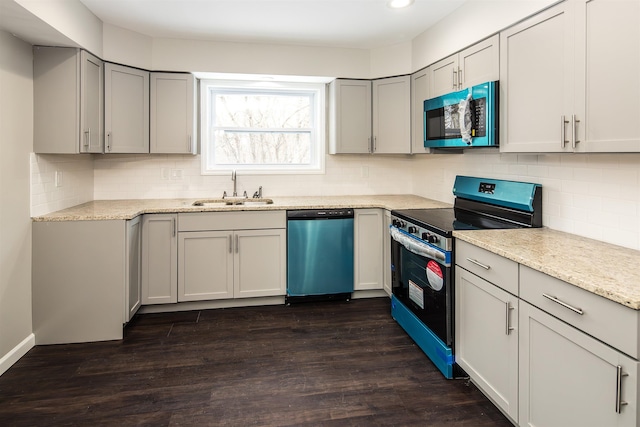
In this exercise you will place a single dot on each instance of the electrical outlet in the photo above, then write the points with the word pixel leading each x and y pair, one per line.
pixel 176 174
pixel 58 178
pixel 164 173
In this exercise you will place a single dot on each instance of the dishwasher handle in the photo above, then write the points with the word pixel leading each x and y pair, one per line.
pixel 311 214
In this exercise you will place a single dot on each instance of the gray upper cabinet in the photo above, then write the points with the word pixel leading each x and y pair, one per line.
pixel 173 107
pixel 370 117
pixel 68 101
pixel 419 93
pixel 477 64
pixel 392 115
pixel 560 90
pixel 350 116
pixel 126 112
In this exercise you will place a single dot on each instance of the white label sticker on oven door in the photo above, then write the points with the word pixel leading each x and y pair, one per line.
pixel 434 275
pixel 416 294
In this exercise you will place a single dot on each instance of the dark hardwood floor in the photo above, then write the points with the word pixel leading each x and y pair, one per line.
pixel 320 364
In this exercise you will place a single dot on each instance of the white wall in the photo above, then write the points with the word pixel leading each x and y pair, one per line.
pixel 126 47
pixel 592 195
pixel 140 176
pixel 16 142
pixel 472 22
pixel 71 18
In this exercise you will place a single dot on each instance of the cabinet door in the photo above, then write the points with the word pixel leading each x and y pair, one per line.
pixel 205 266
pixel 350 112
pixel 259 266
pixel 568 378
pixel 126 109
pixel 172 113
pixel 91 103
pixel 368 243
pixel 386 250
pixel 392 115
pixel 607 81
pixel 486 338
pixel 479 63
pixel 536 83
pixel 133 288
pixel 159 259
pixel 419 93
pixel 443 76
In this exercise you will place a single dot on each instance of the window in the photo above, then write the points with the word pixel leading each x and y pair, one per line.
pixel 266 127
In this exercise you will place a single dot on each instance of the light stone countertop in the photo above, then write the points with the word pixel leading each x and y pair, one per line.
pixel 604 269
pixel 128 209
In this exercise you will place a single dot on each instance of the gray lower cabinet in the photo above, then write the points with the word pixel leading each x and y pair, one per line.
pixel 368 261
pixel 486 322
pixel 133 284
pixel 159 273
pixel 571 379
pixel 547 353
pixel 231 255
pixel 79 278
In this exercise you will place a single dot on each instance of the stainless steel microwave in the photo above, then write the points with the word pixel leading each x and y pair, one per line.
pixel 462 119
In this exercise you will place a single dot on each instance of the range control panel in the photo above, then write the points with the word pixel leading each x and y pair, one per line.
pixel 422 233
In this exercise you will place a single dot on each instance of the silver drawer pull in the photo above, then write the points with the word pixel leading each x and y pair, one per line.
pixel 479 264
pixel 564 304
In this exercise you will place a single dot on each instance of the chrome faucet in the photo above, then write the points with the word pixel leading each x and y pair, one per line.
pixel 258 194
pixel 233 178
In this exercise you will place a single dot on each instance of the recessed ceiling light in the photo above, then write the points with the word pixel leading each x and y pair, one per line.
pixel 398 4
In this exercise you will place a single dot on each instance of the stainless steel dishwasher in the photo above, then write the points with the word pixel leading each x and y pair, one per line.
pixel 319 255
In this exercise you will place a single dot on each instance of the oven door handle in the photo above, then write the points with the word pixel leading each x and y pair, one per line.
pixel 414 245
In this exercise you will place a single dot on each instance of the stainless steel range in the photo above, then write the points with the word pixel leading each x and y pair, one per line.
pixel 422 256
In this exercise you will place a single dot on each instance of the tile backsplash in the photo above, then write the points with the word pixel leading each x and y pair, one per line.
pixel 593 195
pixel 60 181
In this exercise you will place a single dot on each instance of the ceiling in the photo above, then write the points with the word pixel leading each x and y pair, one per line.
pixel 364 24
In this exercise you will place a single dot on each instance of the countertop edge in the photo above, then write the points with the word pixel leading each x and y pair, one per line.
pixel 566 275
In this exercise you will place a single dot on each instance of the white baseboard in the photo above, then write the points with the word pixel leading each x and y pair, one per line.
pixel 16 353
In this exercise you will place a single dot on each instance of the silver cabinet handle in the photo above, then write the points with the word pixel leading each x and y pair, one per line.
pixel 563 131
pixel 87 137
pixel 173 226
pixel 108 141
pixel 459 78
pixel 237 244
pixel 370 145
pixel 508 327
pixel 454 79
pixel 564 304
pixel 189 144
pixel 574 134
pixel 375 143
pixel 230 243
pixel 479 264
pixel 619 401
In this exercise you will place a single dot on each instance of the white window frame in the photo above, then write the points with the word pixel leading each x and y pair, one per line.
pixel 318 147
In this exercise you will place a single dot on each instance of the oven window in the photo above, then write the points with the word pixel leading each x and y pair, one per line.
pixel 422 285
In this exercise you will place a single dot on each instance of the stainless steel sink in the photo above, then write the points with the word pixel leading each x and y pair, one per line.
pixel 232 201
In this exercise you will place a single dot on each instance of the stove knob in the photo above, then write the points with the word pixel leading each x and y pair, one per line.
pixel 412 229
pixel 432 239
pixel 425 236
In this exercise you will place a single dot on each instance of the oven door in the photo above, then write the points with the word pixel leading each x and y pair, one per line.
pixel 421 280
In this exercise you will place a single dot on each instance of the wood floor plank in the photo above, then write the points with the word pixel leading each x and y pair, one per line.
pixel 320 364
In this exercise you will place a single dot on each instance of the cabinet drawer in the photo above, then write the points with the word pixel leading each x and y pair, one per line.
pixel 244 220
pixel 493 268
pixel 601 318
